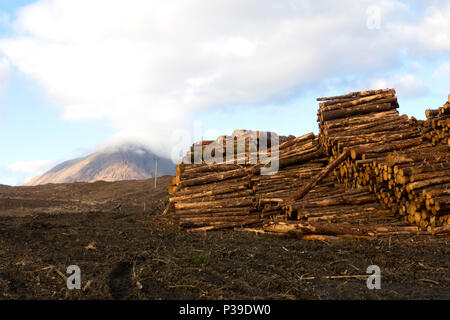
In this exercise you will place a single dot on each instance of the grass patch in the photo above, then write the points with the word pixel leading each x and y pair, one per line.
pixel 203 258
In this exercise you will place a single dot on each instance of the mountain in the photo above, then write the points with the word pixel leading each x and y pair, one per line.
pixel 125 162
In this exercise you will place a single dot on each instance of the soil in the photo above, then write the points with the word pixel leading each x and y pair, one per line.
pixel 127 250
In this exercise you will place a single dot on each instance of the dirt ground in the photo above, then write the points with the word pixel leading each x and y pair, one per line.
pixel 126 252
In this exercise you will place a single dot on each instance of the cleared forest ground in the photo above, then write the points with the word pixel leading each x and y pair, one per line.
pixel 125 252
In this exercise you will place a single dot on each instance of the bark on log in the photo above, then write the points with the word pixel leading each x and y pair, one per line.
pixel 353 95
pixel 357 110
pixel 313 182
pixel 217 185
pixel 313 228
pixel 239 202
pixel 198 211
pixel 377 148
pixel 208 193
pixel 375 99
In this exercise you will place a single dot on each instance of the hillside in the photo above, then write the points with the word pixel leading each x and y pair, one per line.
pixel 126 162
pixel 99 196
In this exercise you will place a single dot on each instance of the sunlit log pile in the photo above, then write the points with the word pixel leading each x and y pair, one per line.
pixel 368 167
pixel 232 192
pixel 213 196
pixel 436 128
pixel 299 160
pixel 366 122
pixel 208 197
pixel 330 211
pixel 407 172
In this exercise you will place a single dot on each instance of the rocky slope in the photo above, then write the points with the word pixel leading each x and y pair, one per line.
pixel 126 162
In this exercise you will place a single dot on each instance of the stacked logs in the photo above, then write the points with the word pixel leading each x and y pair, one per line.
pixel 356 122
pixel 286 181
pixel 413 183
pixel 213 196
pixel 437 126
pixel 247 152
pixel 236 148
pixel 330 212
pixel 383 166
pixel 299 160
pixel 348 123
pixel 366 122
pixel 242 147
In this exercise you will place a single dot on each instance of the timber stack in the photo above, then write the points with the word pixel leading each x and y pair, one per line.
pixel 415 183
pixel 436 128
pixel 388 155
pixel 385 166
pixel 232 191
pixel 332 212
pixel 366 122
pixel 213 196
pixel 299 159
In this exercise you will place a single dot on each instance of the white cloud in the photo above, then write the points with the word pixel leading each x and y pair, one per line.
pixel 435 30
pixel 4 19
pixel 442 71
pixel 147 66
pixel 32 166
pixel 406 85
pixel 19 172
pixel 4 74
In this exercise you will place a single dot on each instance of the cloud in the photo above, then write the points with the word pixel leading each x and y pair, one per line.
pixel 4 19
pixel 149 67
pixel 4 74
pixel 19 172
pixel 442 71
pixel 30 166
pixel 406 85
pixel 434 32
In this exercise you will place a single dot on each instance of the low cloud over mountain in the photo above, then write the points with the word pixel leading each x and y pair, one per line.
pixel 125 162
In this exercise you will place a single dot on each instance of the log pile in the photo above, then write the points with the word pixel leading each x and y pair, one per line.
pixel 414 183
pixel 299 160
pixel 366 122
pixel 437 126
pixel 384 166
pixel 388 155
pixel 332 210
pixel 213 196
pixel 350 123
pixel 235 193
pixel 237 148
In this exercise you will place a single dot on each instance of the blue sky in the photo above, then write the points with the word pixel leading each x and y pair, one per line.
pixel 77 74
pixel 32 129
pixel 31 126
